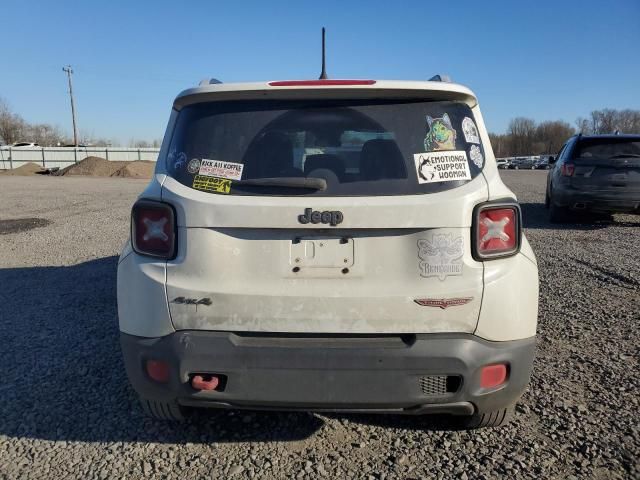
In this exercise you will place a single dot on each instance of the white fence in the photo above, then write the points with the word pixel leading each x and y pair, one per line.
pixel 50 157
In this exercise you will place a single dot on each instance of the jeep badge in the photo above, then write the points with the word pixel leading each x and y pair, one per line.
pixel 333 218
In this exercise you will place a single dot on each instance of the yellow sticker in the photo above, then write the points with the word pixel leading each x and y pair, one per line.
pixel 211 184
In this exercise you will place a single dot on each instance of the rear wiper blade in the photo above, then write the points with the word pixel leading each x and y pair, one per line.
pixel 623 155
pixel 311 183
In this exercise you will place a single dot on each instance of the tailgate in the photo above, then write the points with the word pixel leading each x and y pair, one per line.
pixel 620 174
pixel 235 272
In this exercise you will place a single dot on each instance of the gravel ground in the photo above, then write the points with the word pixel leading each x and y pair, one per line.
pixel 66 410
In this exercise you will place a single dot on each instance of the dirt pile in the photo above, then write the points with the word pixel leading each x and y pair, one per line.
pixel 25 170
pixel 93 167
pixel 136 169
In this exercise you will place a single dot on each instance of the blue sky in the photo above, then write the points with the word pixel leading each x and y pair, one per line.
pixel 541 59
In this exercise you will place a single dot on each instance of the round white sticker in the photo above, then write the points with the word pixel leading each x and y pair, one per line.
pixel 194 166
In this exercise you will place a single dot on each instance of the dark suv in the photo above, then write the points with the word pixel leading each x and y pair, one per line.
pixel 595 174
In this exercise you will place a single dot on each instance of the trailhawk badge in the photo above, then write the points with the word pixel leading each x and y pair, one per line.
pixel 442 303
pixel 440 255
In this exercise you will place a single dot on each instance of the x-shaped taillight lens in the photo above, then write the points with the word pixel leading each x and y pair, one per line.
pixel 497 231
pixel 153 229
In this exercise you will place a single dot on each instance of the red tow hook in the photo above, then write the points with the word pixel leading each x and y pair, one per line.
pixel 201 383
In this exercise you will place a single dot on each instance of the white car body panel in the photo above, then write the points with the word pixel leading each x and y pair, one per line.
pixel 510 303
pixel 142 301
pixel 251 285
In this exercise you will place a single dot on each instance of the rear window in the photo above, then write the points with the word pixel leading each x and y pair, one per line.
pixel 603 148
pixel 357 148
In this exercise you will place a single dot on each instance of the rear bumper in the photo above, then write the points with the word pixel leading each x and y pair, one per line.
pixel 604 201
pixel 436 373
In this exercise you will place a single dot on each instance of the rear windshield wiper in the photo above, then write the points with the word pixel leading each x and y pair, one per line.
pixel 623 155
pixel 311 183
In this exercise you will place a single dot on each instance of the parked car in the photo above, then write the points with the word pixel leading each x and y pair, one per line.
pixel 597 174
pixel 24 145
pixel 502 163
pixel 542 163
pixel 516 163
pixel 523 163
pixel 262 273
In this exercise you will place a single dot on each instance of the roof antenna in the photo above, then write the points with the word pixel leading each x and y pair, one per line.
pixel 323 74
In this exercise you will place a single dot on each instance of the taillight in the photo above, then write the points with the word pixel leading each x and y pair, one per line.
pixel 153 229
pixel 567 169
pixel 496 230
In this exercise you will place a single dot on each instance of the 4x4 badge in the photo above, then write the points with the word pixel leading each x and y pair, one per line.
pixel 333 218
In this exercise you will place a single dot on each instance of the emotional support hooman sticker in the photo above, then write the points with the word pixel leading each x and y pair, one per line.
pixel 442 166
pixel 476 156
pixel 220 169
pixel 470 131
pixel 211 184
pixel 440 255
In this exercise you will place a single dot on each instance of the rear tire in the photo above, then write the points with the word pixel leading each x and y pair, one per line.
pixel 170 411
pixel 496 418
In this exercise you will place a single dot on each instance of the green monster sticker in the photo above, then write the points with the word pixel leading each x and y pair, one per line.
pixel 441 135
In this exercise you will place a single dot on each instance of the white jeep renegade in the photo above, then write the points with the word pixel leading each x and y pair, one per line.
pixel 328 245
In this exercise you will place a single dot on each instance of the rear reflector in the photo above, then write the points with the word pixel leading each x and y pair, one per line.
pixel 316 83
pixel 497 231
pixel 493 376
pixel 158 370
pixel 153 229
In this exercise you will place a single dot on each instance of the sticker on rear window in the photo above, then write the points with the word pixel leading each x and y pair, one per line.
pixel 220 169
pixel 441 134
pixel 470 131
pixel 476 156
pixel 211 184
pixel 176 160
pixel 193 166
pixel 441 255
pixel 442 166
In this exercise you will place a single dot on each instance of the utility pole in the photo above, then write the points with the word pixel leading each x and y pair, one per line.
pixel 69 71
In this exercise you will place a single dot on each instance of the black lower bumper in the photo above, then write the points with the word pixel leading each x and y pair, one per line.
pixel 598 201
pixel 435 373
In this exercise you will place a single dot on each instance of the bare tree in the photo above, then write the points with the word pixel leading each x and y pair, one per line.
pixel 45 134
pixel 583 126
pixel 609 120
pixel 628 121
pixel 500 144
pixel 551 135
pixel 522 132
pixel 133 143
pixel 12 126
